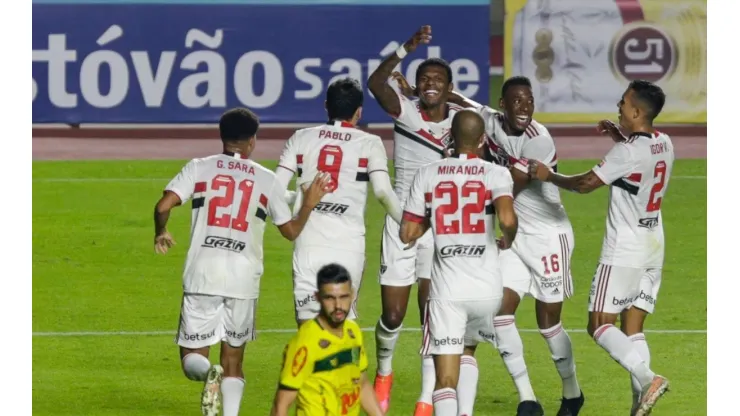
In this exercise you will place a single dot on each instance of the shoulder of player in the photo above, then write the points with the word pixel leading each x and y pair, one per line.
pixel 537 130
pixel 306 332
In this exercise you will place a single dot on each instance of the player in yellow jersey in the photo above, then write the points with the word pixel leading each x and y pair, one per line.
pixel 325 364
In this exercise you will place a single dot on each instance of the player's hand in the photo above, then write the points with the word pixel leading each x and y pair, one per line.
pixel 322 184
pixel 403 84
pixel 608 127
pixel 538 171
pixel 423 35
pixel 163 242
pixel 501 243
pixel 410 245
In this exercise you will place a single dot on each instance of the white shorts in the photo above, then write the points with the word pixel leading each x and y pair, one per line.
pixel 307 262
pixel 539 265
pixel 614 289
pixel 450 326
pixel 206 320
pixel 399 267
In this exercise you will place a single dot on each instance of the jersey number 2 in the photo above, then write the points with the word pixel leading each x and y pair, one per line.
pixel 653 202
pixel 468 189
pixel 330 161
pixel 239 222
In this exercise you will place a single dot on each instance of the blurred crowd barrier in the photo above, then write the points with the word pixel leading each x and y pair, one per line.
pixel 185 61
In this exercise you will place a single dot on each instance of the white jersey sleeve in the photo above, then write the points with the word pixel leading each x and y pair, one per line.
pixel 415 208
pixel 616 164
pixel 501 183
pixel 184 183
pixel 289 157
pixel 377 159
pixel 277 206
pixel 540 148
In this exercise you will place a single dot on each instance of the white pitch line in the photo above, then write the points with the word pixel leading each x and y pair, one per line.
pixel 93 180
pixel 291 330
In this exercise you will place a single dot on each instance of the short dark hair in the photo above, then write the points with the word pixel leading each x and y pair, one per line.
pixel 434 62
pixel 238 124
pixel 649 94
pixel 332 274
pixel 516 81
pixel 343 98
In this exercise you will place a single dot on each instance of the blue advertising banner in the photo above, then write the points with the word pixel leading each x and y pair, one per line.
pixel 187 63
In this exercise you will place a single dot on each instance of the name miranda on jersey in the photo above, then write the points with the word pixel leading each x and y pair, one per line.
pixel 236 166
pixel 460 170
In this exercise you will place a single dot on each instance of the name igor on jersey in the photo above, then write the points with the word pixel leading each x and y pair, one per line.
pixel 325 369
pixel 638 172
pixel 538 206
pixel 417 141
pixel 456 195
pixel 231 199
pixel 349 155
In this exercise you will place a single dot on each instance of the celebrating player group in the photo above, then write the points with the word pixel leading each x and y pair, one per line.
pixel 460 168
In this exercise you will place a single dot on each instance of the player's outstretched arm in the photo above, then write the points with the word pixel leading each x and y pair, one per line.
pixel 162 238
pixel 582 183
pixel 368 400
pixel 507 219
pixel 378 81
pixel 383 190
pixel 321 184
pixel 284 398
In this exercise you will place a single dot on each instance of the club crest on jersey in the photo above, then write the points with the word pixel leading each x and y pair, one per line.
pixel 446 139
pixel 224 243
pixel 351 333
pixel 324 343
pixel 299 360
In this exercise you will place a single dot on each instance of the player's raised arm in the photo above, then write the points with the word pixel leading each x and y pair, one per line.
pixel 415 221
pixel 176 193
pixel 381 180
pixel 616 164
pixel 280 212
pixel 378 81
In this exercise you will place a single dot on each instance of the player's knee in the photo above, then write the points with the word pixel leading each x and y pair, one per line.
pixel 393 318
pixel 445 381
pixel 597 320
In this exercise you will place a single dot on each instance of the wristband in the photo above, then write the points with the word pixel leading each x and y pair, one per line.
pixel 401 52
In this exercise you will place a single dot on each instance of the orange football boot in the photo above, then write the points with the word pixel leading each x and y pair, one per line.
pixel 423 409
pixel 383 386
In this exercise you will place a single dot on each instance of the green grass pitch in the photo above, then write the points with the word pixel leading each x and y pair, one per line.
pixel 94 270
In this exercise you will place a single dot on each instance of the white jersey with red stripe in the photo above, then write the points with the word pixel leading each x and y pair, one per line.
pixel 349 155
pixel 456 195
pixel 538 206
pixel 637 172
pixel 231 199
pixel 417 141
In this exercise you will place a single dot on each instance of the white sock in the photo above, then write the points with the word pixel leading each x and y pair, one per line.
pixel 467 385
pixel 195 366
pixel 445 402
pixel 511 348
pixel 562 354
pixel 621 349
pixel 232 389
pixel 428 379
pixel 640 344
pixel 385 344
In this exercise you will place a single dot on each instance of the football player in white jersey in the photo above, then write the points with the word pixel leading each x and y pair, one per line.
pixel 456 197
pixel 335 233
pixel 421 136
pixel 637 170
pixel 539 262
pixel 231 199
